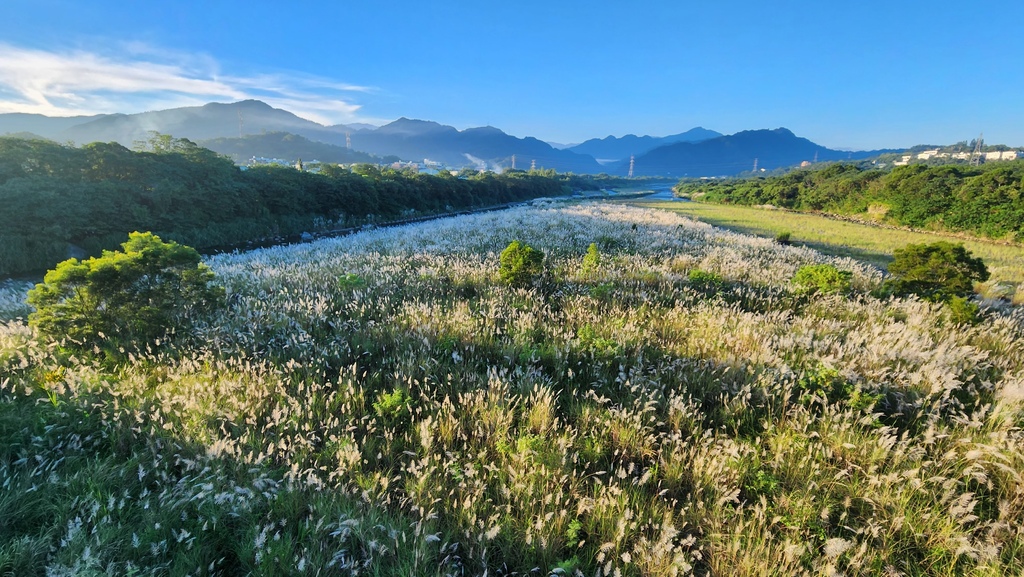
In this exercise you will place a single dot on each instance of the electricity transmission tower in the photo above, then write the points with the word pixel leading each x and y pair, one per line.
pixel 978 145
pixel 632 163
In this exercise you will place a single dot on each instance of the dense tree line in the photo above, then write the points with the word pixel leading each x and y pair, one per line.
pixel 57 198
pixel 986 200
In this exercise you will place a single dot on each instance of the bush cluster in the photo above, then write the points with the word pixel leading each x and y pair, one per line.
pixel 520 264
pixel 822 278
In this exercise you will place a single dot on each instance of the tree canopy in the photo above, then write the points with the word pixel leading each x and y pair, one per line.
pixel 937 271
pixel 127 298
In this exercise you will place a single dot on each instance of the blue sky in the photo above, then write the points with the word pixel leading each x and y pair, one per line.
pixel 847 75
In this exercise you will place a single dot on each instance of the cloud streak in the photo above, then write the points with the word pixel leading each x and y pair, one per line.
pixel 141 78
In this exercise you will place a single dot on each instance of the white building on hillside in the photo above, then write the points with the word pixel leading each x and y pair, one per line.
pixel 1002 155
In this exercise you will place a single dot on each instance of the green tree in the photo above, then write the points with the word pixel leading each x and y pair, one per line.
pixel 125 298
pixel 520 264
pixel 937 271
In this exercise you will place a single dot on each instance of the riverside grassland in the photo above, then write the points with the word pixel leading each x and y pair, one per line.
pixel 860 240
pixel 382 404
pixel 983 202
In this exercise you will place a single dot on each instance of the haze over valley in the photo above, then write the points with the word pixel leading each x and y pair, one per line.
pixel 247 129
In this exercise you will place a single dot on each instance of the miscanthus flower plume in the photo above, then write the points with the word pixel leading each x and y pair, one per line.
pixel 382 404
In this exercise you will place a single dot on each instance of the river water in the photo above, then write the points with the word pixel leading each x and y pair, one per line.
pixel 662 192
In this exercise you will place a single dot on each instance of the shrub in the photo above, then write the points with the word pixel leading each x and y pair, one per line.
pixel 591 260
pixel 351 281
pixel 963 311
pixel 935 272
pixel 823 278
pixel 783 237
pixel 520 264
pixel 392 406
pixel 706 279
pixel 125 298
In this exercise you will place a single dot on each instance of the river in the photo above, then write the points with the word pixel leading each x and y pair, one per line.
pixel 662 192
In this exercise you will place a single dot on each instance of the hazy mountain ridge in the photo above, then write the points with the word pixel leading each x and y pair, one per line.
pixel 415 140
pixel 619 148
pixel 230 129
pixel 50 127
pixel 484 147
pixel 285 146
pixel 213 120
pixel 732 154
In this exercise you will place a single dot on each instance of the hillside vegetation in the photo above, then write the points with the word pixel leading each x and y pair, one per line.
pixel 986 200
pixel 54 196
pixel 667 402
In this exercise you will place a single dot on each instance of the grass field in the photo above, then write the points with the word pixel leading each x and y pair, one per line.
pixel 384 405
pixel 864 242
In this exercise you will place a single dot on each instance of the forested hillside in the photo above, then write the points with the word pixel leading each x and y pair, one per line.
pixel 286 146
pixel 985 200
pixel 58 198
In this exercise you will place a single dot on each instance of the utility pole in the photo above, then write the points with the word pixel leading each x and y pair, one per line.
pixel 755 166
pixel 513 162
pixel 632 163
pixel 978 145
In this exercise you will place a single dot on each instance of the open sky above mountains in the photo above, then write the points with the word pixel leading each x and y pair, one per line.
pixel 870 75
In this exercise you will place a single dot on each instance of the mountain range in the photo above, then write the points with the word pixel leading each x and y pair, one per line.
pixel 486 147
pixel 253 128
pixel 610 148
pixel 736 153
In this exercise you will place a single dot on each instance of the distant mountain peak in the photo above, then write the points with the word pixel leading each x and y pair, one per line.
pixel 251 104
pixel 412 126
pixel 618 148
pixel 484 130
pixel 766 148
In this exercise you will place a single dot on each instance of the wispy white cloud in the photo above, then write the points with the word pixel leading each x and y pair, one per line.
pixel 140 77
